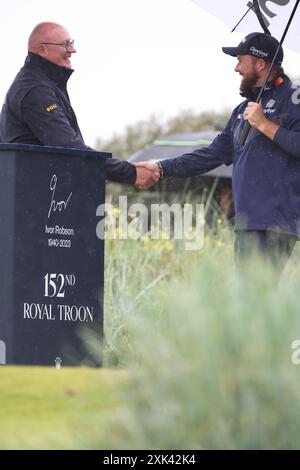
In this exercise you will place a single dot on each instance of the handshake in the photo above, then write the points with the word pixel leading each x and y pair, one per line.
pixel 147 174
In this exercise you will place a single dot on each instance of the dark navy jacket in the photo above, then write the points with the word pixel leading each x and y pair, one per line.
pixel 266 174
pixel 37 110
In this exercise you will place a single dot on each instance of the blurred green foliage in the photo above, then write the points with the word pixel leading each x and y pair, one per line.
pixel 136 136
pixel 209 349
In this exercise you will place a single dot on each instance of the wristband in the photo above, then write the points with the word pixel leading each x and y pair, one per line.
pixel 161 170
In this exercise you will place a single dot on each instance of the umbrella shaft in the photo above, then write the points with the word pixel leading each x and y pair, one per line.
pixel 277 50
pixel 247 126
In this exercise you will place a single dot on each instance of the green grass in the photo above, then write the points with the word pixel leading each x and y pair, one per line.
pixel 47 408
pixel 209 350
pixel 202 356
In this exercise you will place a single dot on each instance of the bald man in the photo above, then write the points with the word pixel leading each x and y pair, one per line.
pixel 37 108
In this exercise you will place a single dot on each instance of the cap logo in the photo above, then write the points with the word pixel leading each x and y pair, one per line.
pixel 258 52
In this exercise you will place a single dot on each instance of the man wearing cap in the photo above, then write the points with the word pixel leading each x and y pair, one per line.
pixel 266 169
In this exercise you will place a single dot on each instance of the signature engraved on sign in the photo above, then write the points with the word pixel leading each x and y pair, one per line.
pixel 56 205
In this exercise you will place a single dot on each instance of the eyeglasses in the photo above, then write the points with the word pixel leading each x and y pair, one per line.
pixel 69 44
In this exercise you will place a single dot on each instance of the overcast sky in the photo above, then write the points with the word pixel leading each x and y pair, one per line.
pixel 134 58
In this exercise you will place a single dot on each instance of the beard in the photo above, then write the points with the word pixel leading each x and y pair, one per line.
pixel 248 83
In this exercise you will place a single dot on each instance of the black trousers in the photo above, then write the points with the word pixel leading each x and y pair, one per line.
pixel 276 248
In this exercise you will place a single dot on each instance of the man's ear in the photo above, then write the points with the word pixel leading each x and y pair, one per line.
pixel 262 65
pixel 41 50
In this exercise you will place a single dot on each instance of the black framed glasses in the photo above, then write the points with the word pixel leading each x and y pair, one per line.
pixel 69 44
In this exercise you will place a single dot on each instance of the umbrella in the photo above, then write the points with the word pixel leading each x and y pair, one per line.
pixel 270 14
pixel 246 12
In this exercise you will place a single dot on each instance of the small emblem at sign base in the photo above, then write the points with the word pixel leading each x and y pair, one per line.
pixel 58 361
pixel 2 352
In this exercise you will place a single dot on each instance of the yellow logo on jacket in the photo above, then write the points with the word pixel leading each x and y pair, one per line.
pixel 52 107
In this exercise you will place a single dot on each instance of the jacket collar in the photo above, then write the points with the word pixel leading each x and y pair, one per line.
pixel 60 75
pixel 275 82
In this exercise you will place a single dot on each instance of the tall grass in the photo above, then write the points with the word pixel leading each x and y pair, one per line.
pixel 209 349
pixel 137 274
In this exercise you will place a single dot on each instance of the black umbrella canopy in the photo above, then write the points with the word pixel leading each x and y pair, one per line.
pixel 172 146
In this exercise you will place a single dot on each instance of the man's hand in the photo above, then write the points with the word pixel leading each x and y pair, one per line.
pixel 147 174
pixel 256 117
